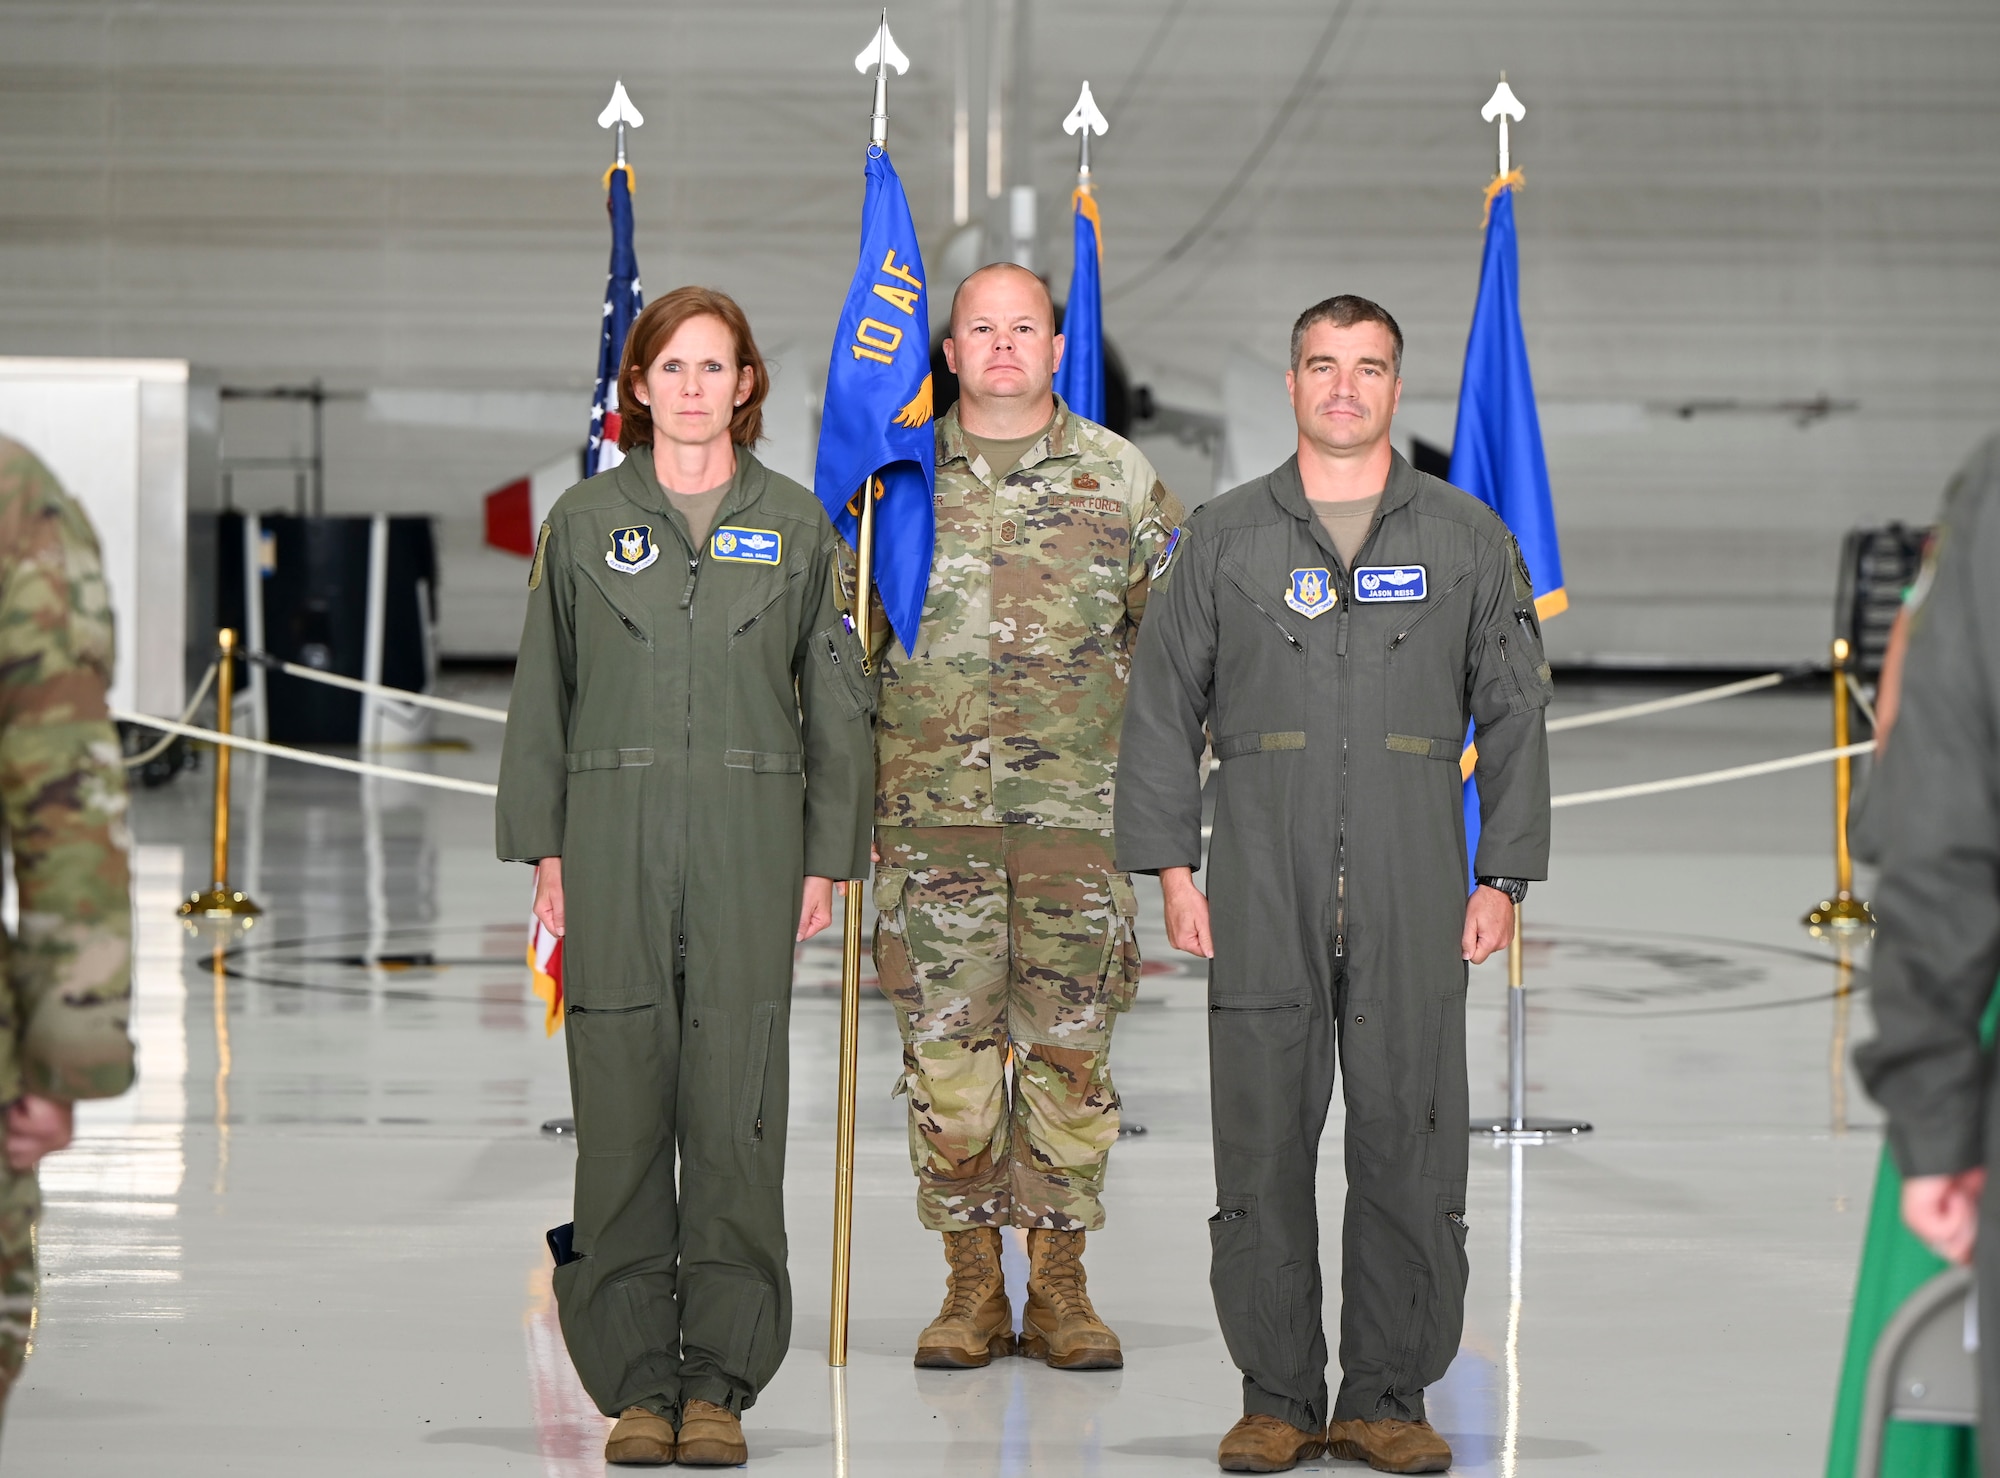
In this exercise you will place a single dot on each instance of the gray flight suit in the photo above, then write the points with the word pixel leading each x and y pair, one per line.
pixel 1935 801
pixel 1337 897
pixel 690 733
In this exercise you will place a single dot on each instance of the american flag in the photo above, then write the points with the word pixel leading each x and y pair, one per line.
pixel 623 298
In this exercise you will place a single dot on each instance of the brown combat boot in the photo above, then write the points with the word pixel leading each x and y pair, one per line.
pixel 1390 1446
pixel 641 1436
pixel 1262 1443
pixel 1059 1325
pixel 976 1322
pixel 711 1437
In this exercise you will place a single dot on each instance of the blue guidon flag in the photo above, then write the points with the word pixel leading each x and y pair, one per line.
pixel 623 298
pixel 875 435
pixel 1080 377
pixel 1496 448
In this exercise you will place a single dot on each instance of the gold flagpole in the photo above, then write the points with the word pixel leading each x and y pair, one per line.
pixel 880 55
pixel 850 989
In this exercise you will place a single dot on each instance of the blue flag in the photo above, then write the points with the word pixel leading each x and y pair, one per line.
pixel 623 298
pixel 875 429
pixel 1080 380
pixel 1496 449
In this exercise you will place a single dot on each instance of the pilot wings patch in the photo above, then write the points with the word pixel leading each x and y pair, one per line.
pixel 747 546
pixel 1389 582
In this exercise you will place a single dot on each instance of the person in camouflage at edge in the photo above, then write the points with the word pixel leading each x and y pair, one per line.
pixel 1005 934
pixel 68 965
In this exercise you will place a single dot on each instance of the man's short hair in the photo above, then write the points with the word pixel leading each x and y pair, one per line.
pixel 1344 312
pixel 951 321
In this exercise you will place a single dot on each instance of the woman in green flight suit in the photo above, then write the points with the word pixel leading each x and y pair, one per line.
pixel 689 764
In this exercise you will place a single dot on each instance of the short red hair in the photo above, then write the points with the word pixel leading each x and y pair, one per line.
pixel 654 329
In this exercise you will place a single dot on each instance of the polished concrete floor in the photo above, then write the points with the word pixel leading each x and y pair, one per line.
pixel 310 1242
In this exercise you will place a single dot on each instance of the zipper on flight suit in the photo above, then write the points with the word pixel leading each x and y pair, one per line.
pixel 1343 583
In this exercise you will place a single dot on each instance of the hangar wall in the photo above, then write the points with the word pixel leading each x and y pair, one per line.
pixel 1729 205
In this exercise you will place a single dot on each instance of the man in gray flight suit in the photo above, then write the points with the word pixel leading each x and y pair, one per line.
pixel 1935 806
pixel 1332 626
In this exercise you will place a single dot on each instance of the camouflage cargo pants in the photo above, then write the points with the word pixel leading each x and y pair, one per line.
pixel 1009 951
pixel 20 1207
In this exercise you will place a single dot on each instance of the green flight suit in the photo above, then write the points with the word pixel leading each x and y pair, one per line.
pixel 690 733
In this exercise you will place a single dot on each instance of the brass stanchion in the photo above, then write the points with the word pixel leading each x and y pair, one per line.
pixel 220 901
pixel 1843 912
pixel 850 991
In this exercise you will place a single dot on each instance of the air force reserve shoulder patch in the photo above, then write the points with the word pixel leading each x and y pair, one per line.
pixel 632 549
pixel 1312 593
pixel 747 546
pixel 1389 582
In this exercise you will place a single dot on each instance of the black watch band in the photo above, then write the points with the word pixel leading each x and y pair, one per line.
pixel 1514 888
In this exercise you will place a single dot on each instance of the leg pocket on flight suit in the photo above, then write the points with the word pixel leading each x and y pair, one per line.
pixel 1121 948
pixel 1232 1278
pixel 615 1075
pixel 734 1321
pixel 1445 1154
pixel 1257 1053
pixel 760 1130
pixel 623 1341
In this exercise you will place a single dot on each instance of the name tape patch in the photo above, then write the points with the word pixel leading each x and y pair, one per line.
pixel 1311 593
pixel 632 549
pixel 747 546
pixel 1390 582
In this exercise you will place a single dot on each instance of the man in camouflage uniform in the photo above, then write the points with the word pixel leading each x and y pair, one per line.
pixel 1006 933
pixel 68 965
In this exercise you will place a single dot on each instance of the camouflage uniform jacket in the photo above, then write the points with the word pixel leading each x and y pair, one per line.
pixel 68 969
pixel 1008 712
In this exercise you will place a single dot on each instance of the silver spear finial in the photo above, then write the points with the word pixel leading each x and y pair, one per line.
pixel 882 53
pixel 618 113
pixel 1503 105
pixel 1083 121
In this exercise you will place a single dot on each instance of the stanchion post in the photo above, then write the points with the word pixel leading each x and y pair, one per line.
pixel 1516 1127
pixel 1517 1032
pixel 1843 912
pixel 850 985
pixel 220 901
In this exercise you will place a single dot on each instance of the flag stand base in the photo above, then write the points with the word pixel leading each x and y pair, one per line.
pixel 1529 1131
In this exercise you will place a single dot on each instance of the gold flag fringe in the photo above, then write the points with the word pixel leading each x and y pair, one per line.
pixel 1511 180
pixel 1083 198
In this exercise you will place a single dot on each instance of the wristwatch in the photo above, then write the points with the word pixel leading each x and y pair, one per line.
pixel 1514 888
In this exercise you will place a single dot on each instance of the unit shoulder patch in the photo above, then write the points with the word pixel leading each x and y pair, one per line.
pixel 1390 583
pixel 747 546
pixel 541 555
pixel 632 549
pixel 1166 559
pixel 1524 583
pixel 1311 593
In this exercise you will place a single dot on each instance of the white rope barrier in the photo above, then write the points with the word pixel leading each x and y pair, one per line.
pixel 399 695
pixel 146 757
pixel 1664 705
pixel 1860 700
pixel 308 757
pixel 1710 777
